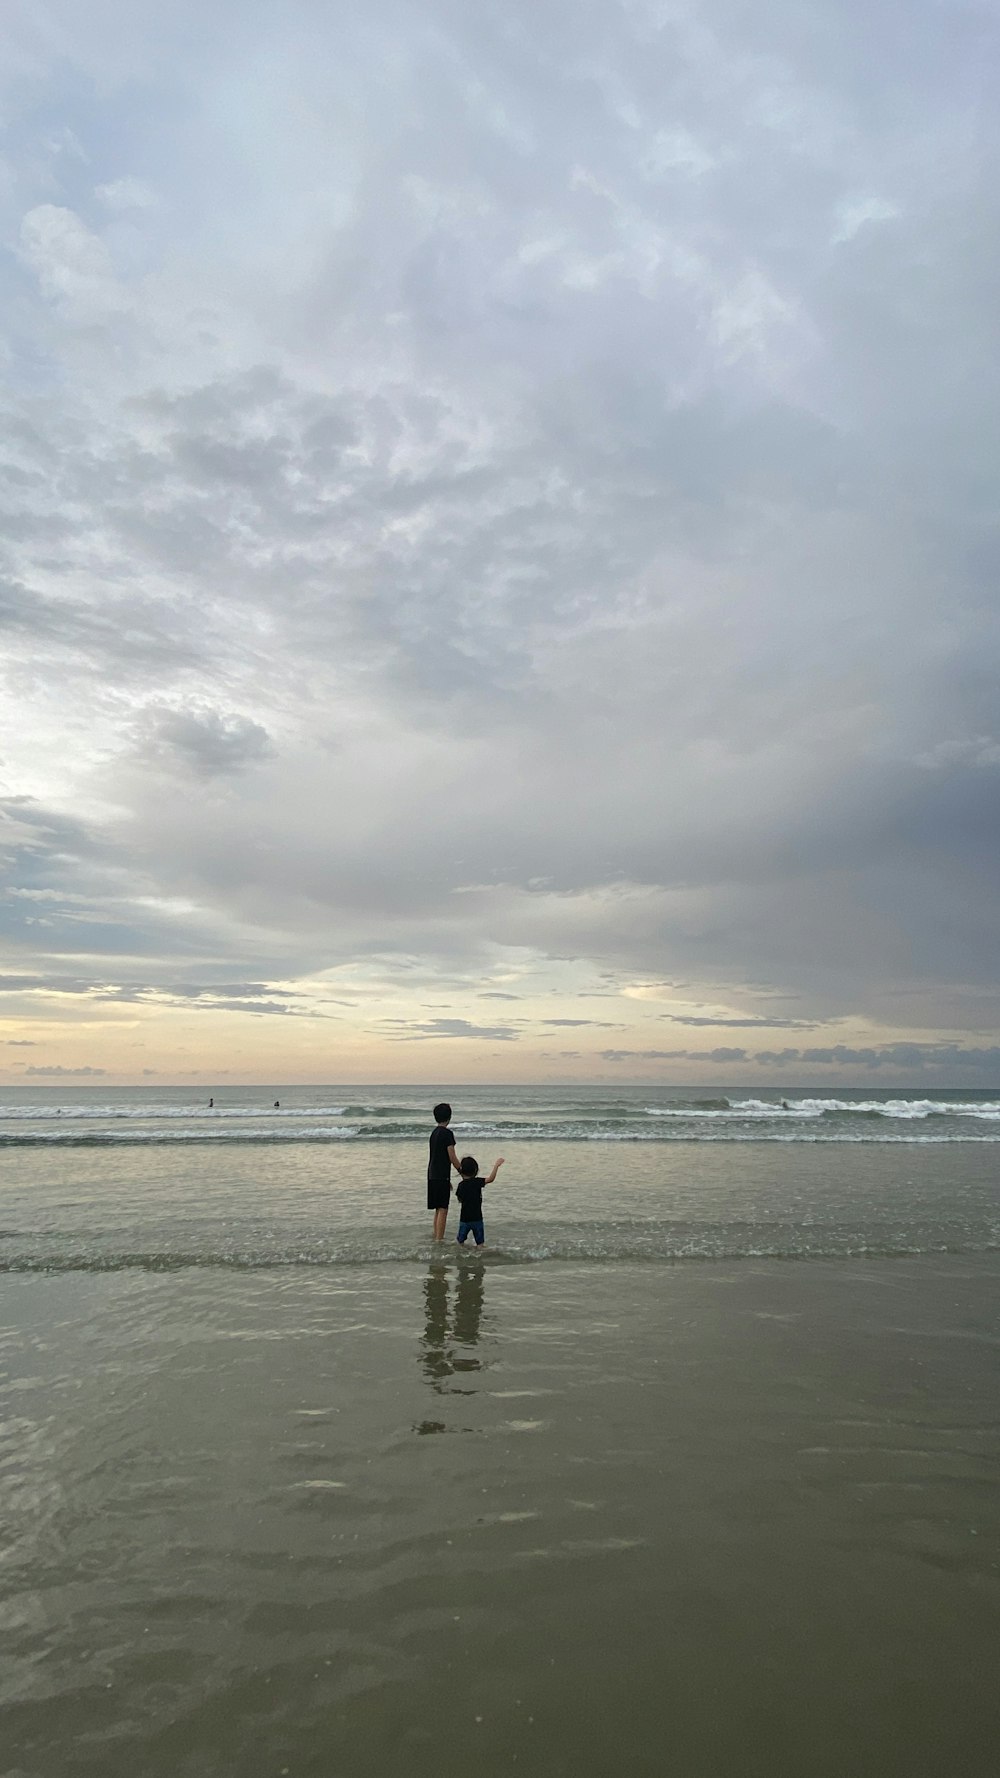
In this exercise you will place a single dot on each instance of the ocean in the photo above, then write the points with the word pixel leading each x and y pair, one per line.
pixel 693 1469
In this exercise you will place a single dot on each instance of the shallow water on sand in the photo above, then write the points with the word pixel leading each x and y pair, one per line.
pixel 430 1517
pixel 243 1206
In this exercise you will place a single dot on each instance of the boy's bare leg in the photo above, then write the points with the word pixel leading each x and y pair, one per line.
pixel 440 1218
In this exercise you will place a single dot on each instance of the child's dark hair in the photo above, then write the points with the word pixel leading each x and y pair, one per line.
pixel 442 1113
pixel 468 1167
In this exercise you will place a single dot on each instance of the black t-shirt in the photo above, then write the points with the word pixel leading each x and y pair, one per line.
pixel 439 1166
pixel 469 1193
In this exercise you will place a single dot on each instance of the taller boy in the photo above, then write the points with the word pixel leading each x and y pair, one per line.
pixel 442 1159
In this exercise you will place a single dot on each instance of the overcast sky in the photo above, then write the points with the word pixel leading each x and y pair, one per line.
pixel 500 540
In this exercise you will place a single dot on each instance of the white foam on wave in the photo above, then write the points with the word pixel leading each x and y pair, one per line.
pixel 583 1242
pixel 802 1109
pixel 744 1109
pixel 904 1108
pixel 735 1135
pixel 166 1138
pixel 155 1113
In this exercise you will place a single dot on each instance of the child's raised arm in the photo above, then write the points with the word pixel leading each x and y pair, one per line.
pixel 496 1168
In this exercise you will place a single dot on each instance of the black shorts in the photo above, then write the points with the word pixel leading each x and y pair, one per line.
pixel 438 1194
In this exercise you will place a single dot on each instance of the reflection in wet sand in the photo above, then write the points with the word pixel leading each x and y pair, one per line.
pixel 453 1310
pixel 434 1356
pixel 468 1314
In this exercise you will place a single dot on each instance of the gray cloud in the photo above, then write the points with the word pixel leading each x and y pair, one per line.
pixel 77 636
pixel 249 997
pixel 950 1062
pixel 716 1055
pixel 940 1056
pixel 55 1072
pixel 432 1028
pixel 207 742
pixel 743 1024
pixel 599 1024
pixel 567 538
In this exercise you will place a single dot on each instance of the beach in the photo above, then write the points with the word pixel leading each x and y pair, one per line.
pixel 498 582
pixel 530 1511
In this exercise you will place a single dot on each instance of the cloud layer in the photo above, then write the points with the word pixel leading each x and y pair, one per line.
pixel 500 502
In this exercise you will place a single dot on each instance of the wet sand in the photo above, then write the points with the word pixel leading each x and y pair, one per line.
pixel 563 1519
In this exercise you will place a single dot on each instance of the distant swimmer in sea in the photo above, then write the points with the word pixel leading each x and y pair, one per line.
pixel 277 1104
pixel 211 1105
pixel 785 1105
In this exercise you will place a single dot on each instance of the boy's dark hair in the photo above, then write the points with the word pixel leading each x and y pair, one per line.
pixel 442 1113
pixel 468 1167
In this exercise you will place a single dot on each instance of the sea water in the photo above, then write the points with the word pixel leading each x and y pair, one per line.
pixel 694 1469
pixel 155 1178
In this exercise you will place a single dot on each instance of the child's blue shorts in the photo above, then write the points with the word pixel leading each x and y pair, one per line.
pixel 475 1229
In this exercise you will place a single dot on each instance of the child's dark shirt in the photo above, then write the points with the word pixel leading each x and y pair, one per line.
pixel 469 1193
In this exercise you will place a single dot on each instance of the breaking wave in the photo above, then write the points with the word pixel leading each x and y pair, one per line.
pixel 538 1118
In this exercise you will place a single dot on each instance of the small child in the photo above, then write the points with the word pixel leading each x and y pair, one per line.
pixel 469 1193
